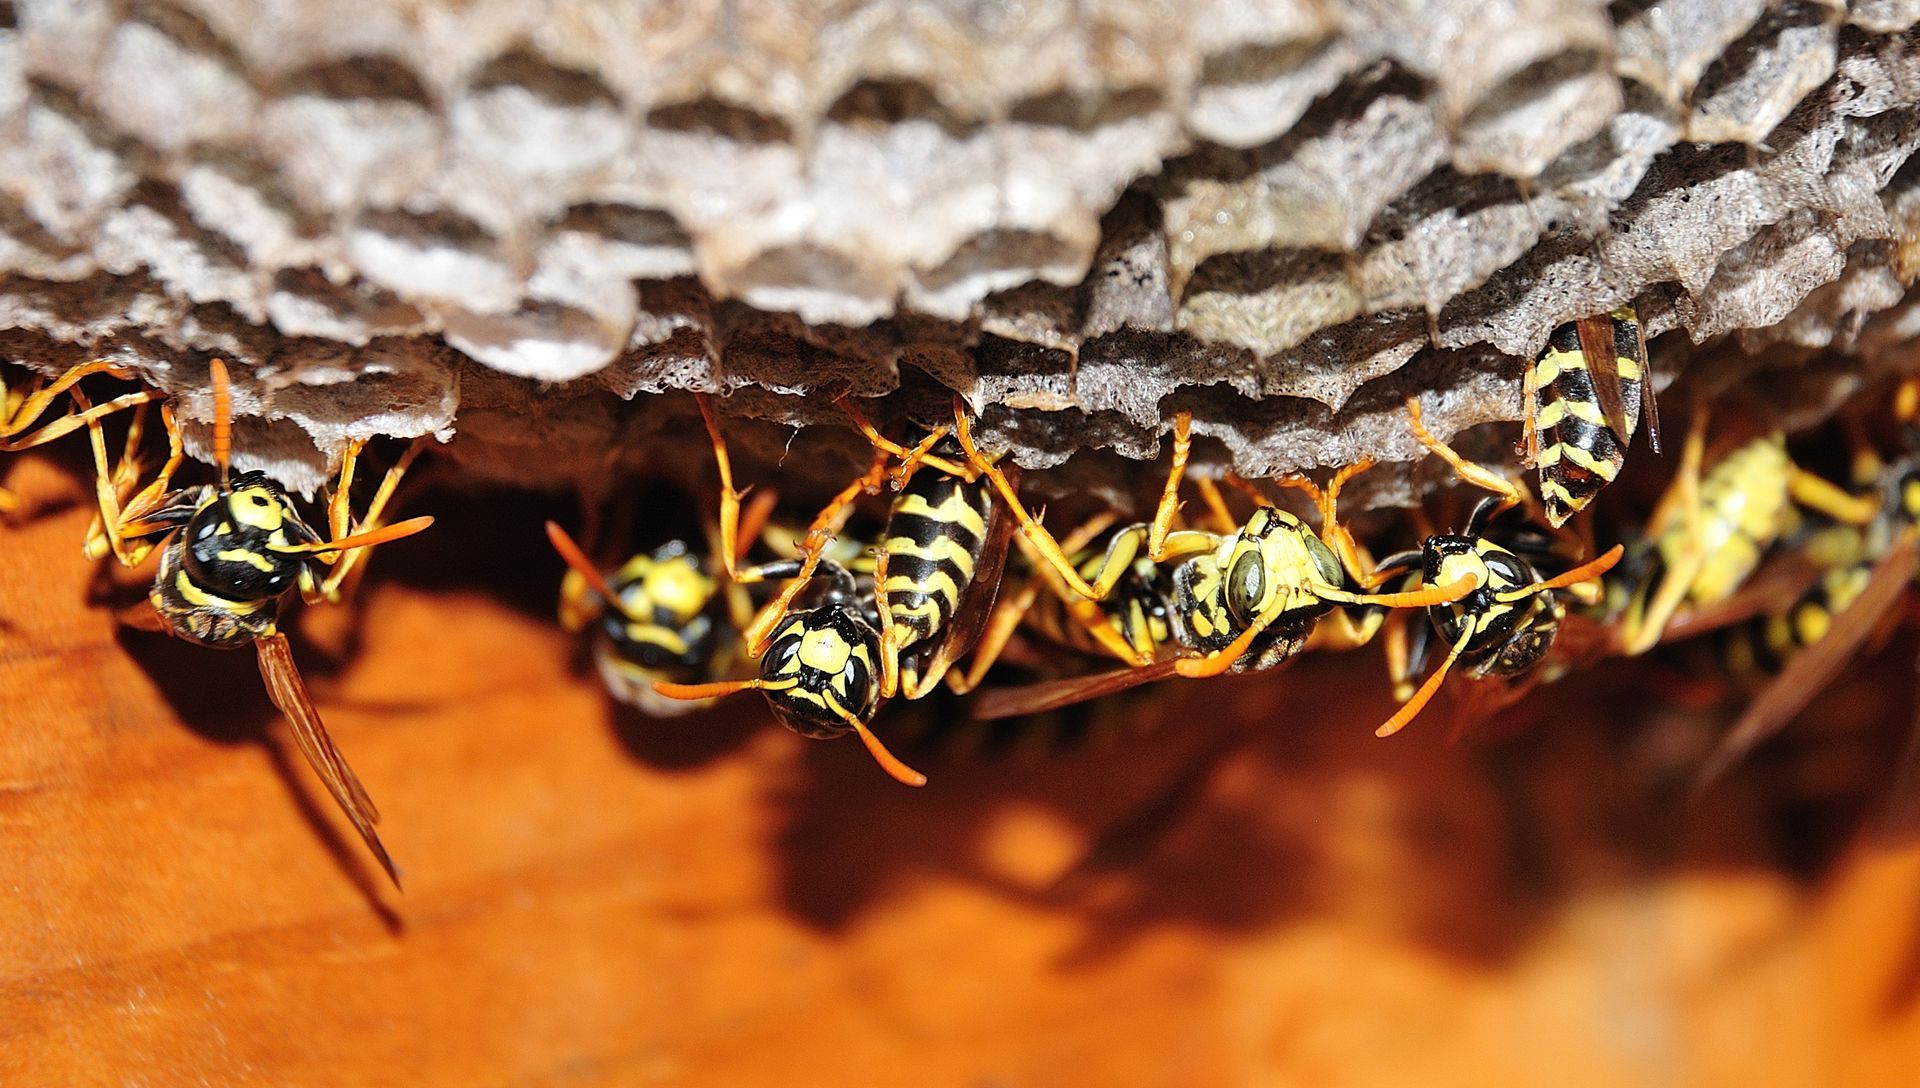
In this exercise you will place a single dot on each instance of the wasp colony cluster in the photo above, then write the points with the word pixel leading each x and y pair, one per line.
pixel 581 244
pixel 522 223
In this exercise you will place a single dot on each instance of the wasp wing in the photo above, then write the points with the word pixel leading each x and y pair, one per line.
pixel 1783 579
pixel 1649 401
pixel 1597 344
pixel 141 617
pixel 1047 695
pixel 1807 674
pixel 288 693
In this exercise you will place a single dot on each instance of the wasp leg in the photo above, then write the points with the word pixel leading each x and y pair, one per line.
pixel 909 459
pixel 1817 493
pixel 1405 650
pixel 22 414
pixel 1529 407
pixel 1086 613
pixel 819 534
pixel 1646 620
pixel 1248 488
pixel 729 496
pixel 122 526
pixel 125 477
pixel 1164 514
pixel 1008 613
pixel 340 522
pixel 1338 630
pixel 1478 475
pixel 71 422
pixel 1223 521
pixel 826 526
pixel 753 524
pixel 1043 545
pixel 1334 533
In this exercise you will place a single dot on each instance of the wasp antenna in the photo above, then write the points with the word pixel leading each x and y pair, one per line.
pixel 222 418
pixel 1222 659
pixel 888 762
pixel 1412 707
pixel 1586 572
pixel 575 558
pixel 1414 598
pixel 704 691
pixel 382 535
pixel 754 517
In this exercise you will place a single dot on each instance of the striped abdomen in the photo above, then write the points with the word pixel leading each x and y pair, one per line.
pixel 933 542
pixel 1579 451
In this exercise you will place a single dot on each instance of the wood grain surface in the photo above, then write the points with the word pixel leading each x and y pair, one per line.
pixel 597 898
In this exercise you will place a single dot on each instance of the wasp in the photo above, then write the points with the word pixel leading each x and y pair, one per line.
pixel 1711 530
pixel 1244 600
pixel 1136 615
pixel 231 553
pixel 818 643
pixel 1507 623
pixel 1806 644
pixel 1585 392
pixel 1132 624
pixel 668 614
pixel 661 615
pixel 937 568
pixel 22 407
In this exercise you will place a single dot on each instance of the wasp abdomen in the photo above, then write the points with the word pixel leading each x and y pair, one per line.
pixel 934 537
pixel 1579 452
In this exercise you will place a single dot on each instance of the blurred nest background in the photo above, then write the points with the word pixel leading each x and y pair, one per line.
pixel 529 228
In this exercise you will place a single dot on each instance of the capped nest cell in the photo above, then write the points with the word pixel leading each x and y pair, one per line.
pixel 530 224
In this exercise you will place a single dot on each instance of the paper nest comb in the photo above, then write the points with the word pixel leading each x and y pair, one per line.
pixel 521 222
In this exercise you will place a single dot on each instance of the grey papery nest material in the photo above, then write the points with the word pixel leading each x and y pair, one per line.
pixel 521 222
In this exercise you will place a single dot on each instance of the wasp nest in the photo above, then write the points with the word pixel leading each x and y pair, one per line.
pixel 524 221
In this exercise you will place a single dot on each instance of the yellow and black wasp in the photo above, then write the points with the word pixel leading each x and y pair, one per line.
pixel 668 614
pixel 230 554
pixel 1585 392
pixel 1506 625
pixel 937 569
pixel 1804 645
pixel 1711 530
pixel 1240 600
pixel 827 665
pixel 661 615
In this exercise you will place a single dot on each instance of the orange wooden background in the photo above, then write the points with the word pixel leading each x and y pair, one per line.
pixel 595 898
